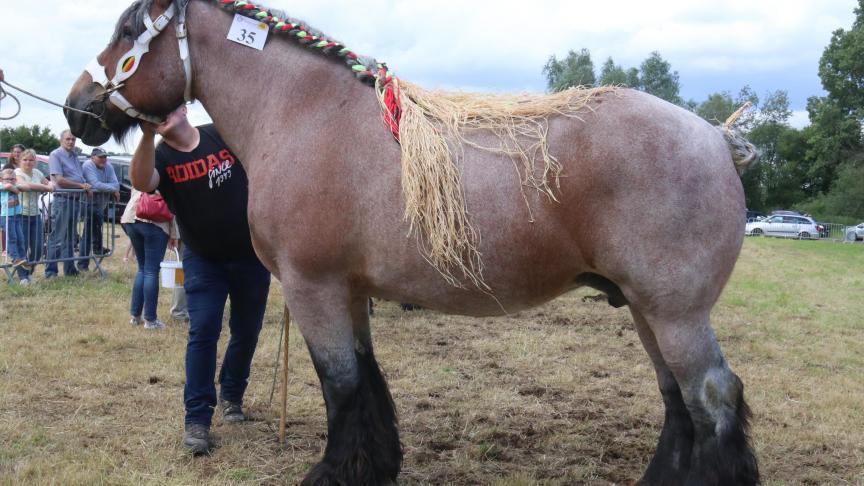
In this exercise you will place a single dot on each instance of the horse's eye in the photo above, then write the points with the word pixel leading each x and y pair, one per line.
pixel 126 32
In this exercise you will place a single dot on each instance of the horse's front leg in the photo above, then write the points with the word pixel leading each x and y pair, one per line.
pixel 363 439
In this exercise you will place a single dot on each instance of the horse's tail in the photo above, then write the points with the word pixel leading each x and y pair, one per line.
pixel 743 152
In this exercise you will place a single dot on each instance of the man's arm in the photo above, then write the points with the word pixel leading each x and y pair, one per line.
pixel 142 167
pixel 55 166
pixel 64 183
pixel 91 175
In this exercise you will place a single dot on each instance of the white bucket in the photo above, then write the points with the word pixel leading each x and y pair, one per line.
pixel 171 273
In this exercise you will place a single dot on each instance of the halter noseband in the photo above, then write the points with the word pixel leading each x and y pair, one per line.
pixel 128 63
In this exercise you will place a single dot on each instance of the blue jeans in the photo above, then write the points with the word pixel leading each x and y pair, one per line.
pixel 208 284
pixel 149 243
pixel 14 236
pixel 32 226
pixel 61 241
pixel 85 243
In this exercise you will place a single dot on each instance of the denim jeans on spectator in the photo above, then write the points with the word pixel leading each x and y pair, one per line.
pixel 61 241
pixel 85 243
pixel 32 226
pixel 149 243
pixel 14 234
pixel 208 285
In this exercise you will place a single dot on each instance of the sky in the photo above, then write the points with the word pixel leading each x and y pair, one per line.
pixel 484 45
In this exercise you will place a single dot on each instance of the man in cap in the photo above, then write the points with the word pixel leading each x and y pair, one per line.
pixel 101 176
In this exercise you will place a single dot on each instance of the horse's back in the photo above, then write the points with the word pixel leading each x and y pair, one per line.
pixel 648 198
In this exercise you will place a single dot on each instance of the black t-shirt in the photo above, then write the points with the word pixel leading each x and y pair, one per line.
pixel 207 191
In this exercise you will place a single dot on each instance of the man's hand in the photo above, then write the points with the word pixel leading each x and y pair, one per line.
pixel 1 75
pixel 117 196
pixel 172 244
pixel 149 129
pixel 87 188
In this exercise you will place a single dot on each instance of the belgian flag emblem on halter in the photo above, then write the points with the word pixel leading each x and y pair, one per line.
pixel 128 64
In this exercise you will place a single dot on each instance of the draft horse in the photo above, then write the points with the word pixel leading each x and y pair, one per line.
pixel 326 211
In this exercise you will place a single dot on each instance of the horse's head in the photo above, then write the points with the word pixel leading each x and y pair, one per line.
pixel 161 80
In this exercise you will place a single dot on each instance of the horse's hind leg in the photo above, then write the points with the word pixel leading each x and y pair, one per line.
pixel 671 460
pixel 363 439
pixel 714 397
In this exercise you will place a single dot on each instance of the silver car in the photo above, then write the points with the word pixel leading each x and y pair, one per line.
pixel 855 233
pixel 786 225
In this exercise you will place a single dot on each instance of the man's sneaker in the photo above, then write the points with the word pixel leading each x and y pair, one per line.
pixel 154 324
pixel 136 321
pixel 232 412
pixel 196 439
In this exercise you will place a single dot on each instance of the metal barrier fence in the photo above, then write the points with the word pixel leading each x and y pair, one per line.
pixel 68 227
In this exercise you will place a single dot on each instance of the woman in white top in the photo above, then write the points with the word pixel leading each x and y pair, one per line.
pixel 32 183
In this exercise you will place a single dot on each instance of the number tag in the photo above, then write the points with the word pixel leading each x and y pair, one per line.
pixel 248 32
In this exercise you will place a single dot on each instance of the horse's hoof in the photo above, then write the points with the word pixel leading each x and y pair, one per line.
pixel 323 475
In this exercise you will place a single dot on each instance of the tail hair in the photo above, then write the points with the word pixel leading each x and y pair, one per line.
pixel 743 152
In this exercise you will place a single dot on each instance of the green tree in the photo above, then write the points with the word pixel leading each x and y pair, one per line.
pixel 38 138
pixel 717 108
pixel 835 145
pixel 841 67
pixel 834 140
pixel 612 74
pixel 577 69
pixel 657 78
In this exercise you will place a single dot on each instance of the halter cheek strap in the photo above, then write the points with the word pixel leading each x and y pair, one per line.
pixel 128 63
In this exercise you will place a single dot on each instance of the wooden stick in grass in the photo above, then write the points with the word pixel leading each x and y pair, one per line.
pixel 286 321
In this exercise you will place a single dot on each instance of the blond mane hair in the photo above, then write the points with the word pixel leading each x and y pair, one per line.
pixel 433 132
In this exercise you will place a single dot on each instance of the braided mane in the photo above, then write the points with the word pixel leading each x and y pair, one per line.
pixel 365 68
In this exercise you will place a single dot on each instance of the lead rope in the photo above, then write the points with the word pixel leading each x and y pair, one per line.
pixel 4 93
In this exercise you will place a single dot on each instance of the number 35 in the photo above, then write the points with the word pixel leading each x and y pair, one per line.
pixel 247 37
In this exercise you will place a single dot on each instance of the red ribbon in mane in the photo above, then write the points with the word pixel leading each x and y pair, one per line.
pixel 389 87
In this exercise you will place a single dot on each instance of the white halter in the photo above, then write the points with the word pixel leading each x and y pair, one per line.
pixel 128 63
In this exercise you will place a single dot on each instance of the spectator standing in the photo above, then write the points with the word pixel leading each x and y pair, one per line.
pixel 149 240
pixel 33 182
pixel 99 173
pixel 10 218
pixel 66 173
pixel 14 160
pixel 218 262
pixel 11 163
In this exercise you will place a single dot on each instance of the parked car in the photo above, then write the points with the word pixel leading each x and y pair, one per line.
pixel 754 216
pixel 785 225
pixel 855 233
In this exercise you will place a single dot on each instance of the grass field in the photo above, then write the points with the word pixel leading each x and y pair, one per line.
pixel 561 394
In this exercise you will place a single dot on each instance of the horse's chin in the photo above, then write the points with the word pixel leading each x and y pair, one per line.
pixel 92 134
pixel 95 132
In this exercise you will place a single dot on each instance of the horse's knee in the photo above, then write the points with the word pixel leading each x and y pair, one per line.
pixel 722 453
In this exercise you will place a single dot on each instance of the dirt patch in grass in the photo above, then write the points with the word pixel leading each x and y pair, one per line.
pixel 560 394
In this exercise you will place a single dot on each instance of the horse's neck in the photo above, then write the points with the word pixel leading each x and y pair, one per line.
pixel 252 95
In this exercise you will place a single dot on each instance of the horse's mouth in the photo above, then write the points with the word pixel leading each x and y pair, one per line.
pixel 87 128
pixel 95 131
